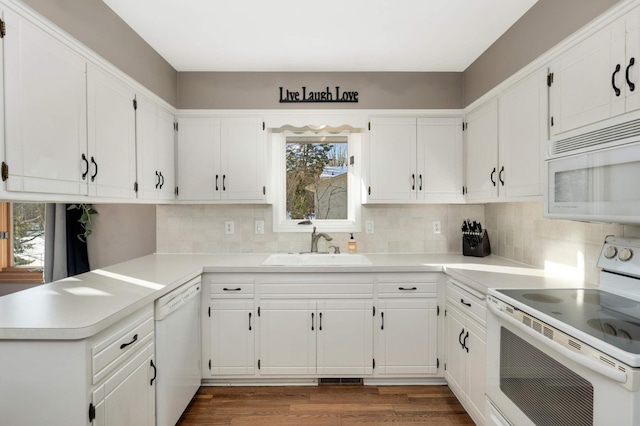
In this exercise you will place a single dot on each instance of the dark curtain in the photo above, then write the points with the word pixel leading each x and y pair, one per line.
pixel 77 254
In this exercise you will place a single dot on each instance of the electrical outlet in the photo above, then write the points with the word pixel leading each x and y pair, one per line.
pixel 368 226
pixel 229 227
pixel 259 227
pixel 436 227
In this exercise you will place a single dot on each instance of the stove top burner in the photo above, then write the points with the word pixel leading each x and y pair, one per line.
pixel 543 298
pixel 606 299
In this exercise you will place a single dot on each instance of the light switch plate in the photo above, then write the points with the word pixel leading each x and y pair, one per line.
pixel 368 226
pixel 259 227
pixel 229 227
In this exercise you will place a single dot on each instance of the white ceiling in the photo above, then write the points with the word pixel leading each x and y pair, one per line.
pixel 328 35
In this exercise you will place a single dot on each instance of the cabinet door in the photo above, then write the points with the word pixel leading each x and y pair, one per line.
pixel 522 135
pixel 129 396
pixel 288 337
pixel 455 372
pixel 155 151
pixel 584 77
pixel 392 159
pixel 481 152
pixel 199 177
pixel 439 159
pixel 476 367
pixel 632 63
pixel 166 155
pixel 111 125
pixel 407 336
pixel 345 338
pixel 232 340
pixel 243 155
pixel 46 111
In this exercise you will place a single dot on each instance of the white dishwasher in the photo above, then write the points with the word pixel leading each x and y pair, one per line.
pixel 177 351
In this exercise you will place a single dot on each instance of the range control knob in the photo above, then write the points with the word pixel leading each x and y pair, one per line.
pixel 610 252
pixel 625 254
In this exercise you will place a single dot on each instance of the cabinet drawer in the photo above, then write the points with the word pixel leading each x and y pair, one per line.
pixel 232 289
pixel 469 303
pixel 120 345
pixel 407 289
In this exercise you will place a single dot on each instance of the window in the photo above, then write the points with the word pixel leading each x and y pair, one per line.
pixel 317 175
pixel 22 242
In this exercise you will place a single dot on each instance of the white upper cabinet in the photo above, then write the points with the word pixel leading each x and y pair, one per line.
pixel 505 140
pixel 439 159
pixel 522 135
pixel 243 155
pixel 221 159
pixel 155 151
pixel 198 152
pixel 111 125
pixel 45 104
pixel 415 160
pixel 597 78
pixel 392 160
pixel 481 144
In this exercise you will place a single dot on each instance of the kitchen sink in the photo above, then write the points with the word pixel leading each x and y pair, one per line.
pixel 316 259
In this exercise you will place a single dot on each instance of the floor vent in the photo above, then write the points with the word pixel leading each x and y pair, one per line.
pixel 340 381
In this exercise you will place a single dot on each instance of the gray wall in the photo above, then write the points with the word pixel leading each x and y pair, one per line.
pixel 94 24
pixel 378 90
pixel 121 232
pixel 546 24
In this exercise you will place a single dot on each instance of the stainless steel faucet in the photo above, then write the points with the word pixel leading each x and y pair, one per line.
pixel 315 237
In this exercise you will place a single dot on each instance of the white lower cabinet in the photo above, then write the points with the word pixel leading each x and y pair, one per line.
pixel 107 379
pixel 466 348
pixel 128 397
pixel 406 326
pixel 331 337
pixel 301 326
pixel 406 331
pixel 229 325
pixel 232 328
pixel 288 337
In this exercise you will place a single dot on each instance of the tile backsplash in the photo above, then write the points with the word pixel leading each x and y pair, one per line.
pixel 517 231
pixel 397 229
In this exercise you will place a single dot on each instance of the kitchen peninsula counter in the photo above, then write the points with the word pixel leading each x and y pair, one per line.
pixel 81 306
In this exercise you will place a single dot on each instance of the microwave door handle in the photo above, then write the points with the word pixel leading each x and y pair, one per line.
pixel 583 360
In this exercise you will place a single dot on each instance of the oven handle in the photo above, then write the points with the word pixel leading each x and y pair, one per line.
pixel 583 360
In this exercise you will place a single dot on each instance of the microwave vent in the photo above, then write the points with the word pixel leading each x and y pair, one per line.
pixel 616 133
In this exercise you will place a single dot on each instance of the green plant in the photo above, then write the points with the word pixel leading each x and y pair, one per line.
pixel 85 219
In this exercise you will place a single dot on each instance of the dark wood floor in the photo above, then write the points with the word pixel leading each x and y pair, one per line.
pixel 325 405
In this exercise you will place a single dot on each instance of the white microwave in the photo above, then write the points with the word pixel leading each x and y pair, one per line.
pixel 601 185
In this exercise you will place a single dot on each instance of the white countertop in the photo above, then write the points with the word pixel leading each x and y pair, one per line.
pixel 81 306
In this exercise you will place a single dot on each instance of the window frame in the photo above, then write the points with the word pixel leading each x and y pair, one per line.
pixel 354 184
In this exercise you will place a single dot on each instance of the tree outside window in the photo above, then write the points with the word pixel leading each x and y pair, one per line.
pixel 28 234
pixel 316 177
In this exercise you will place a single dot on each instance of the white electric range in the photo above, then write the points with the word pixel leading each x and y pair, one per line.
pixel 568 356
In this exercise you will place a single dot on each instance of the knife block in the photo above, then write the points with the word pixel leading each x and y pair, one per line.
pixel 476 244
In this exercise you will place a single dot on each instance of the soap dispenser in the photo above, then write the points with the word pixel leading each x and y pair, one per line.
pixel 351 245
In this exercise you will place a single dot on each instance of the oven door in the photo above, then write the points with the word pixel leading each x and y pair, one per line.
pixel 532 382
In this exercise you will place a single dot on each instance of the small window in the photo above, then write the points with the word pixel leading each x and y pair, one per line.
pixel 22 242
pixel 317 177
pixel 28 234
